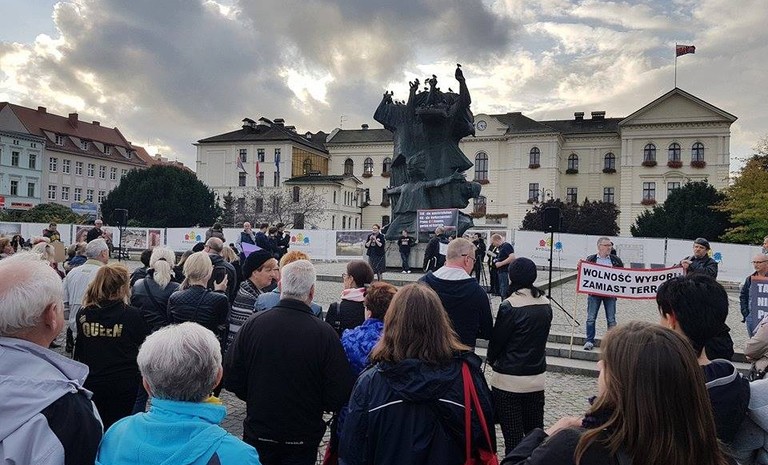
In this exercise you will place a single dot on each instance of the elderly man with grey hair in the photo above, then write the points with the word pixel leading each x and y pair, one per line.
pixel 46 416
pixel 180 365
pixel 464 300
pixel 289 367
pixel 221 268
pixel 77 281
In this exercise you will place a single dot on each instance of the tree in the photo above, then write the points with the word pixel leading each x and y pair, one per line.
pixel 228 210
pixel 163 196
pixel 687 213
pixel 295 206
pixel 44 213
pixel 746 200
pixel 591 217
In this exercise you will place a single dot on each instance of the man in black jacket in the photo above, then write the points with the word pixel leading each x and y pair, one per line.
pixel 221 267
pixel 465 301
pixel 289 367
pixel 700 261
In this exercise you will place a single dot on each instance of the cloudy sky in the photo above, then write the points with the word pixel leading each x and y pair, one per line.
pixel 170 72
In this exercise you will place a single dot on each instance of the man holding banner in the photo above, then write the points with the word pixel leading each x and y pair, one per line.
pixel 606 258
pixel 751 309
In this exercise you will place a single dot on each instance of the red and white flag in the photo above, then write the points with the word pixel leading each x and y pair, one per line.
pixel 257 168
pixel 240 164
pixel 684 50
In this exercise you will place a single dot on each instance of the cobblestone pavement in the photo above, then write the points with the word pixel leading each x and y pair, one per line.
pixel 566 395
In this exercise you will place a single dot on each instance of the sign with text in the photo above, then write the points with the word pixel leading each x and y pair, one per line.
pixel 758 298
pixel 623 283
pixel 429 220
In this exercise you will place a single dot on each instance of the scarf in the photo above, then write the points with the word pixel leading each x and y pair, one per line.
pixel 354 295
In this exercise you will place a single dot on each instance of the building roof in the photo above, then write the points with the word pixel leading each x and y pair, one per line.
pixel 320 179
pixel 355 136
pixel 679 91
pixel 158 159
pixel 269 131
pixel 48 125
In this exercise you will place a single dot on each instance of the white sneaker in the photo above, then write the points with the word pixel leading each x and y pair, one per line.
pixel 409 271
pixel 589 346
pixel 403 272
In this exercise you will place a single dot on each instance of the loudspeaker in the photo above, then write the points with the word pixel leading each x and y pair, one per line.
pixel 551 219
pixel 120 217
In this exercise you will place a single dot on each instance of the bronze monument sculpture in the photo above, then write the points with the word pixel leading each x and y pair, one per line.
pixel 428 165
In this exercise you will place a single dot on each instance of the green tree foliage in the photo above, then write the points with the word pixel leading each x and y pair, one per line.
pixel 163 196
pixel 687 213
pixel 228 210
pixel 44 213
pixel 746 200
pixel 591 217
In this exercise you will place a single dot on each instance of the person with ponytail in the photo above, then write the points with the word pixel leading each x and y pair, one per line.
pixel 517 355
pixel 151 293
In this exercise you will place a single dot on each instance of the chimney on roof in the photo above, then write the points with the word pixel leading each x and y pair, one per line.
pixel 308 135
pixel 279 122
pixel 291 128
pixel 598 115
pixel 42 110
pixel 265 122
pixel 364 126
pixel 73 120
pixel 248 123
pixel 96 123
pixel 578 116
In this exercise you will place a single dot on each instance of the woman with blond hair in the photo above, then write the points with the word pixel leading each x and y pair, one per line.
pixel 109 333
pixel 408 408
pixel 231 257
pixel 652 408
pixel 151 293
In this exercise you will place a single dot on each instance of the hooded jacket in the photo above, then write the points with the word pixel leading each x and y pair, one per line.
pixel 46 416
pixel 729 395
pixel 465 301
pixel 175 432
pixel 412 412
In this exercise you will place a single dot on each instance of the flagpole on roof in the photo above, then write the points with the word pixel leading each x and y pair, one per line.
pixel 675 64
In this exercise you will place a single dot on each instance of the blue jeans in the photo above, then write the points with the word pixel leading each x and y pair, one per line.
pixel 593 306
pixel 751 324
pixel 404 257
pixel 503 274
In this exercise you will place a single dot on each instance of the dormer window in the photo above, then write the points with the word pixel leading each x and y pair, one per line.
pixel 107 149
pixel 84 144
pixel 59 139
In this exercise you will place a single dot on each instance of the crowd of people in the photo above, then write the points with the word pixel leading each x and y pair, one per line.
pixel 396 367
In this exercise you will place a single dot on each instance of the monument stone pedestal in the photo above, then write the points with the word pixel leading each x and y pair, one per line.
pixel 415 260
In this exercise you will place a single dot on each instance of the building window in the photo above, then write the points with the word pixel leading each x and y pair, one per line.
pixel 649 191
pixel 53 164
pixel 534 158
pixel 384 197
pixel 533 192
pixel 78 168
pixel 260 155
pixel 102 194
pixel 240 206
pixel 275 204
pixel 368 167
pixel 244 155
pixel 573 163
pixel 349 167
pixel 107 149
pixel 343 222
pixel 296 191
pixel 572 195
pixel 102 172
pixel 277 156
pixel 91 169
pixel 78 194
pixel 33 145
pixel 32 161
pixel 123 173
pixel 65 165
pixel 609 195
pixel 65 193
pixel 306 167
pixel 276 179
pixel 260 179
pixel 479 205
pixel 51 192
pixel 609 161
pixel 674 152
pixel 649 152
pixel 14 158
pixel 14 187
pixel 697 152
pixel 672 186
pixel 258 206
pixel 84 145
pixel 334 198
pixel 30 189
pixel 384 220
pixel 89 195
pixel 333 221
pixel 387 166
pixel 481 167
pixel 59 139
pixel 241 179
pixel 113 173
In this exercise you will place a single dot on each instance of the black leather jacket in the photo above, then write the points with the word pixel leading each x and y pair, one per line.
pixel 155 312
pixel 519 339
pixel 200 305
pixel 345 314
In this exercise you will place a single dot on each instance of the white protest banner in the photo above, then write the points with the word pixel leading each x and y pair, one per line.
pixel 624 283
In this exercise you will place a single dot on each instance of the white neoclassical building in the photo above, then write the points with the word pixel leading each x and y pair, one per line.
pixel 633 161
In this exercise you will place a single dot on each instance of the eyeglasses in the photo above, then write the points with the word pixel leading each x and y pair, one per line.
pixel 759 261
pixel 469 256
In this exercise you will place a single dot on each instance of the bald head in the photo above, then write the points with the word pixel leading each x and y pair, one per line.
pixel 458 248
pixel 215 245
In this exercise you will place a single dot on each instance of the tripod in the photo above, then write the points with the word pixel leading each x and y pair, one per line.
pixel 549 282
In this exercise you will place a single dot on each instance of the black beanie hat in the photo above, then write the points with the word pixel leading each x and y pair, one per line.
pixel 703 242
pixel 254 262
pixel 522 273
